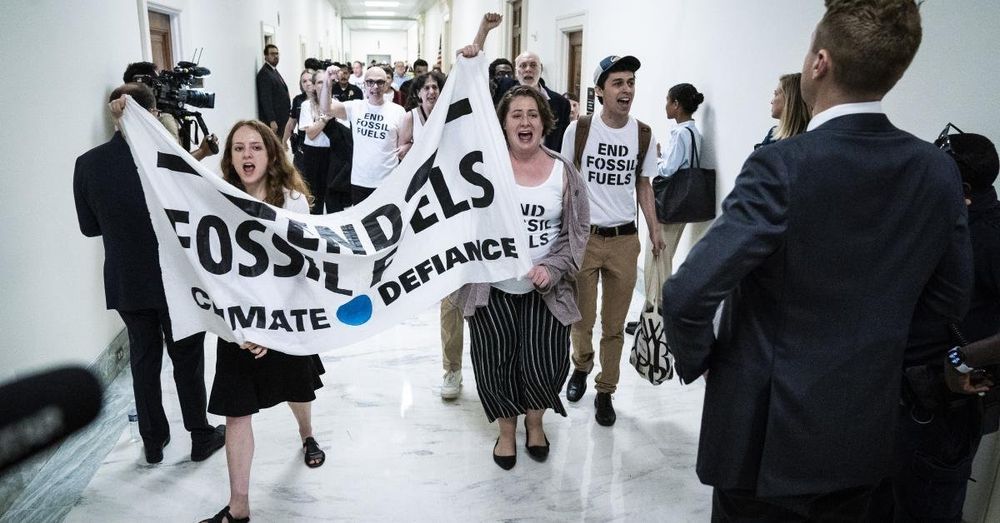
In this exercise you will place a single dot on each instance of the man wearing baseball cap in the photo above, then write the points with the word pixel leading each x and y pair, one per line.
pixel 615 154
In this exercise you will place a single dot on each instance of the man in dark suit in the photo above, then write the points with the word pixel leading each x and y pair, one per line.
pixel 827 244
pixel 273 102
pixel 528 71
pixel 110 203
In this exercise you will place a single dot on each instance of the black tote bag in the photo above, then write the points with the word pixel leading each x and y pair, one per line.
pixel 688 196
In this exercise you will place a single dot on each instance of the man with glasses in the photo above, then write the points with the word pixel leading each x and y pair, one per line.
pixel 374 127
pixel 528 71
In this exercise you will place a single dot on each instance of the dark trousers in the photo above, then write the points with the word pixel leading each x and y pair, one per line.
pixel 847 505
pixel 520 354
pixel 316 161
pixel 934 462
pixel 359 193
pixel 147 329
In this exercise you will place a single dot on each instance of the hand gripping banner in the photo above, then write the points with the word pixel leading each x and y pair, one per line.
pixel 304 284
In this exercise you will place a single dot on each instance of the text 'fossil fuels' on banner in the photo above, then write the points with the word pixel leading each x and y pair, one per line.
pixel 304 284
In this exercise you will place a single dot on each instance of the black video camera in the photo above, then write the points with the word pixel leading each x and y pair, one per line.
pixel 319 65
pixel 172 89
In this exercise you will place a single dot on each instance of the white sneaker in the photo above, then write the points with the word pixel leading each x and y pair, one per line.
pixel 451 385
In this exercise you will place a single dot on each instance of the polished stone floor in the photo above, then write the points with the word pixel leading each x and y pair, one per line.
pixel 396 451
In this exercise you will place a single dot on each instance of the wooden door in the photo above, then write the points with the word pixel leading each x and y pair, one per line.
pixel 516 22
pixel 574 62
pixel 161 40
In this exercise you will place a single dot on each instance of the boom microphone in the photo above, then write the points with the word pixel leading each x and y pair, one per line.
pixel 41 410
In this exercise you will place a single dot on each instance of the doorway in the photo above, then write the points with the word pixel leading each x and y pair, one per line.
pixel 574 62
pixel 161 40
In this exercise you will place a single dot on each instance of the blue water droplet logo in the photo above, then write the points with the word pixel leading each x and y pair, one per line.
pixel 356 312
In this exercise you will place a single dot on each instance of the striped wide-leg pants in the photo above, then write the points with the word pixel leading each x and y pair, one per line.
pixel 520 354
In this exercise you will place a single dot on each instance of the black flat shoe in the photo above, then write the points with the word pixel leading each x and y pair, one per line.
pixel 538 453
pixel 154 454
pixel 202 451
pixel 505 462
pixel 225 517
pixel 631 327
pixel 576 386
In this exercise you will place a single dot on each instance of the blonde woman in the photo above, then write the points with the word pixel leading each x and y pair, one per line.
pixel 788 107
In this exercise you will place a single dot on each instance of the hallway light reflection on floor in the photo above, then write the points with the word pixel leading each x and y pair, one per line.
pixel 405 398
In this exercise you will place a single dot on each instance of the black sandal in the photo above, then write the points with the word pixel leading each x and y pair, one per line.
pixel 225 517
pixel 314 456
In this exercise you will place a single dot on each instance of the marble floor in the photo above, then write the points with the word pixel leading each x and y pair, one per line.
pixel 396 451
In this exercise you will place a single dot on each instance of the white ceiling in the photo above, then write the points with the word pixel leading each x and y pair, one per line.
pixel 383 15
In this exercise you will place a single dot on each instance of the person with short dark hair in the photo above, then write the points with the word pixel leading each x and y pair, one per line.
pixel 500 70
pixel 419 68
pixel 939 431
pixel 273 101
pixel 110 203
pixel 616 156
pixel 343 90
pixel 574 105
pixel 145 73
pixel 827 244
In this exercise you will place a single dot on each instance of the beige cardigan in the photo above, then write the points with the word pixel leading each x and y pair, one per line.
pixel 562 262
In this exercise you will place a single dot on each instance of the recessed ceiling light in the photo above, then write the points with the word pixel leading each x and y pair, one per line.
pixel 381 4
pixel 380 13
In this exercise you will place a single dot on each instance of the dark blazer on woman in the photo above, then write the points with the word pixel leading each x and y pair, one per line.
pixel 825 247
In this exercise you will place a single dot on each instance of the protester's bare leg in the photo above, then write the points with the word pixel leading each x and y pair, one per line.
pixel 303 416
pixel 239 456
pixel 508 430
pixel 533 424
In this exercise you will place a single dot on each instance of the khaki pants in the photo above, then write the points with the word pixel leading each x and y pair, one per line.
pixel 671 235
pixel 452 324
pixel 613 261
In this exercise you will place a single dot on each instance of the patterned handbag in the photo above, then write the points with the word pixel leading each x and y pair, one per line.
pixel 650 355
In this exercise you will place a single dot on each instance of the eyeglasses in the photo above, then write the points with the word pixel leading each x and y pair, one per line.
pixel 943 141
pixel 374 83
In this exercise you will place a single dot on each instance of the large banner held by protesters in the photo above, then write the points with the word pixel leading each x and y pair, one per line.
pixel 305 284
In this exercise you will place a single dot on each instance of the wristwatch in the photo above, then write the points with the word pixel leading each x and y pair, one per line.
pixel 957 360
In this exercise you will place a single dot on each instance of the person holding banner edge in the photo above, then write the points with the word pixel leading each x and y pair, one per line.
pixel 110 203
pixel 519 327
pixel 251 377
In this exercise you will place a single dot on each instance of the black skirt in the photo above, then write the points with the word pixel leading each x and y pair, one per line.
pixel 244 385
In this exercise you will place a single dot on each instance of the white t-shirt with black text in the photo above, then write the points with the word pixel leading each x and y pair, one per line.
pixel 608 167
pixel 374 129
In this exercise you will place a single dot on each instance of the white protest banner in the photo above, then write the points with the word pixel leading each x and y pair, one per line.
pixel 304 284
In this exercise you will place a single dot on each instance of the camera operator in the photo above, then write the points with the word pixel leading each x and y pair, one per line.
pixel 939 431
pixel 146 73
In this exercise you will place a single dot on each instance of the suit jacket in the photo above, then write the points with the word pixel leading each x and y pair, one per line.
pixel 557 102
pixel 273 102
pixel 827 244
pixel 110 203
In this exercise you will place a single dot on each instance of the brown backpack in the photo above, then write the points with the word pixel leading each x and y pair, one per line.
pixel 583 131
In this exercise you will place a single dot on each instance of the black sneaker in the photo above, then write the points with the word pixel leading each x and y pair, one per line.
pixel 605 410
pixel 576 386
pixel 631 327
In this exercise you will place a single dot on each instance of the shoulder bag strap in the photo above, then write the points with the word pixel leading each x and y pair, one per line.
pixel 695 161
pixel 582 130
pixel 645 136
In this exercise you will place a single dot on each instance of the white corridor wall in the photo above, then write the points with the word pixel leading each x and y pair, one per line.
pixel 63 60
